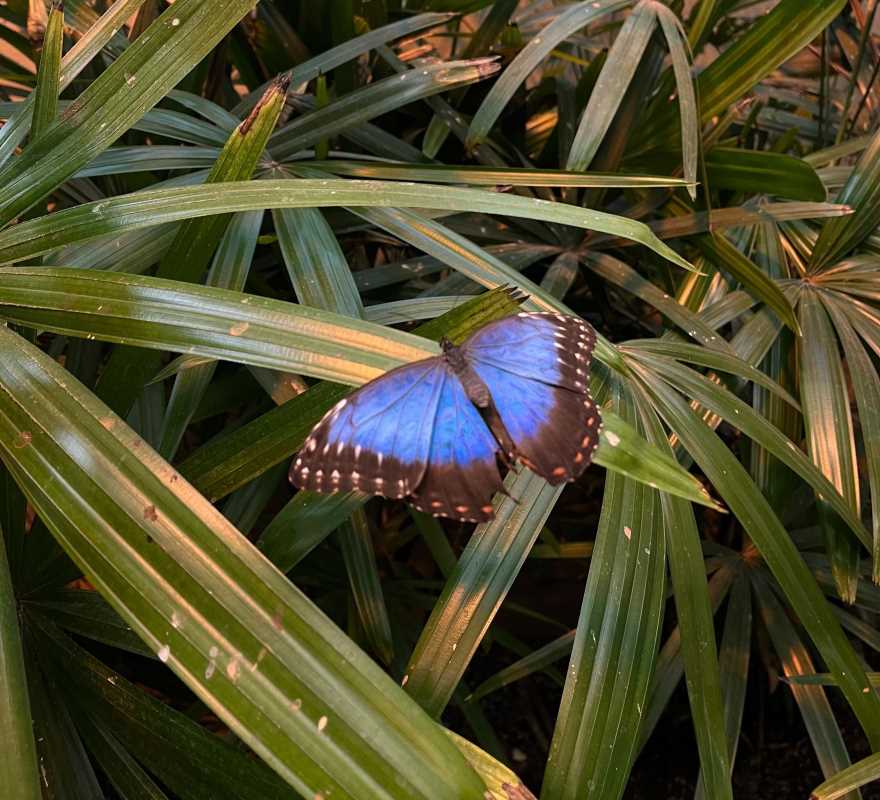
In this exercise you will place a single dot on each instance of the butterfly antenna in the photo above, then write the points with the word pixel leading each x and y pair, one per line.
pixel 517 468
pixel 508 495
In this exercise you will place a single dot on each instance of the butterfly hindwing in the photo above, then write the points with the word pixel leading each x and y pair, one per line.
pixel 462 474
pixel 536 367
pixel 378 439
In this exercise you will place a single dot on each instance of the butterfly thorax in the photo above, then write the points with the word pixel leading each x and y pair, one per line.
pixel 476 390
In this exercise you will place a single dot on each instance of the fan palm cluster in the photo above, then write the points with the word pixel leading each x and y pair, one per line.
pixel 218 218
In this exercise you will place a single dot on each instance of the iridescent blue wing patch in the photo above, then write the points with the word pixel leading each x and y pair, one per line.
pixel 462 474
pixel 410 433
pixel 537 367
pixel 376 440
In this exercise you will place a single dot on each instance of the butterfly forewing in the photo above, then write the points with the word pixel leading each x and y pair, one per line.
pixel 550 348
pixel 536 367
pixel 378 439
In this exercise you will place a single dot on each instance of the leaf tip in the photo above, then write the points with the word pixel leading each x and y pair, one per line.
pixel 278 86
pixel 486 66
pixel 282 82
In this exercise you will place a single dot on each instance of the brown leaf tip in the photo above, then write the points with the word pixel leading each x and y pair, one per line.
pixel 282 82
pixel 279 85
pixel 487 65
pixel 518 792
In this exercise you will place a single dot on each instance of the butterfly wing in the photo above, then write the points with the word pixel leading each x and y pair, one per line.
pixel 462 473
pixel 412 433
pixel 536 367
pixel 378 439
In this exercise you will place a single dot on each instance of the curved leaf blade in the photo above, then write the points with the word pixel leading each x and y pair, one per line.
pixel 491 176
pixel 18 756
pixel 829 429
pixel 156 206
pixel 845 781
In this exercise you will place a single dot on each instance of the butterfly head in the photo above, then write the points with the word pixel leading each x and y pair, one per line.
pixel 454 356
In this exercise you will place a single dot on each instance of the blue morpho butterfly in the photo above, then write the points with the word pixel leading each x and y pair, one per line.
pixel 435 431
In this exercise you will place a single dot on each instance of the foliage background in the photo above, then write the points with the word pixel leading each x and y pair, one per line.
pixel 219 217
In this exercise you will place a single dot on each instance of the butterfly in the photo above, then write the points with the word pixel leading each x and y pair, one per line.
pixel 437 431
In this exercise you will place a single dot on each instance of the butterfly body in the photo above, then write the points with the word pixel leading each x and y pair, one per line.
pixel 436 431
pixel 478 393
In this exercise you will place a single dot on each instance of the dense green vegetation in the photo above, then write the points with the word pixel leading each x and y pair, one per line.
pixel 218 217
